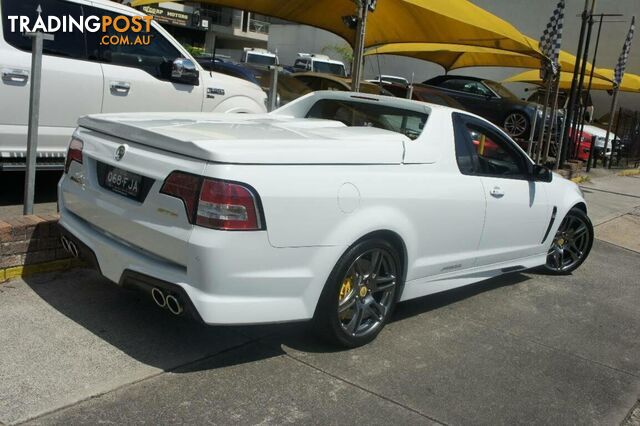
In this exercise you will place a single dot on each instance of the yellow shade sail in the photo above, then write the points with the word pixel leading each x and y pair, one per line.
pixel 629 80
pixel 454 56
pixel 395 21
pixel 533 77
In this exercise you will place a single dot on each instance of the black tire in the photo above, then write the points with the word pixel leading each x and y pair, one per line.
pixel 517 124
pixel 334 326
pixel 575 236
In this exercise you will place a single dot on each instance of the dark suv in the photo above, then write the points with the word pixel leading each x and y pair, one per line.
pixel 490 100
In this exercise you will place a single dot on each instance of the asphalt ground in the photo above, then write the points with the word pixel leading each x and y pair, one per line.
pixel 522 348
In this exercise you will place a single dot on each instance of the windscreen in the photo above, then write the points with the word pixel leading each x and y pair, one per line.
pixel 502 91
pixel 329 68
pixel 252 58
pixel 363 114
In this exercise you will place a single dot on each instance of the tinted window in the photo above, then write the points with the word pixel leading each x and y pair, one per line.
pixel 361 114
pixel 300 63
pixel 71 45
pixel 486 151
pixel 500 90
pixel 329 68
pixel 467 86
pixel 156 58
pixel 260 59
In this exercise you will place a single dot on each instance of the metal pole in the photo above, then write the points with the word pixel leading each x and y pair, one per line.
pixel 553 126
pixel 583 72
pixel 547 95
pixel 591 149
pixel 614 139
pixel 559 145
pixel 614 104
pixel 574 83
pixel 532 133
pixel 273 87
pixel 34 118
pixel 593 68
pixel 358 52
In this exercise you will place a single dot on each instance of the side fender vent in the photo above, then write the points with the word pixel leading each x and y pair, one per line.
pixel 551 222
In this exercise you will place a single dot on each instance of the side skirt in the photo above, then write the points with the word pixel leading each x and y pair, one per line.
pixel 436 284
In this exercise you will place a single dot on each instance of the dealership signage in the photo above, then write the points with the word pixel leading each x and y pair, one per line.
pixel 168 16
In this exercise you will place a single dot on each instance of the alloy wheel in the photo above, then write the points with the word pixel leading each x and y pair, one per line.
pixel 516 124
pixel 367 292
pixel 571 243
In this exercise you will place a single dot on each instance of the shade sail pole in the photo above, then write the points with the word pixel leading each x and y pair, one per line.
pixel 358 53
pixel 553 126
pixel 545 108
pixel 574 86
pixel 614 104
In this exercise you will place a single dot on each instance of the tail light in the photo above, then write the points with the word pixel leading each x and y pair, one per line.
pixel 186 187
pixel 74 153
pixel 214 203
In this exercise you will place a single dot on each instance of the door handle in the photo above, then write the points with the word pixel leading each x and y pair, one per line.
pixel 120 88
pixel 15 76
pixel 497 192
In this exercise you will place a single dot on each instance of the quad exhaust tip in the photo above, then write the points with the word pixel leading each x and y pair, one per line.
pixel 167 301
pixel 70 247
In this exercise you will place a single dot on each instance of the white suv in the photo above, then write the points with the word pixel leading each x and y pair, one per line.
pixel 81 75
pixel 319 63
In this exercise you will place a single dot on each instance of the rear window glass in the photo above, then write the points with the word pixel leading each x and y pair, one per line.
pixel 363 114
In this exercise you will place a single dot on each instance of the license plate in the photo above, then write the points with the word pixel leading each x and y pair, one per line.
pixel 123 182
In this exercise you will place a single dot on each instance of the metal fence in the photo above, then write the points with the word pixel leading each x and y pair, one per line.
pixel 626 149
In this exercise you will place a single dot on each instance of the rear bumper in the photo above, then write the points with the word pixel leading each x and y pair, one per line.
pixel 134 279
pixel 236 278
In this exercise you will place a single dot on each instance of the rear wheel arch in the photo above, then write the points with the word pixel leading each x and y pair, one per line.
pixel 392 238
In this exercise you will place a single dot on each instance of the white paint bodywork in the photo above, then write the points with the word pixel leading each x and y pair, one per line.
pixel 72 88
pixel 323 186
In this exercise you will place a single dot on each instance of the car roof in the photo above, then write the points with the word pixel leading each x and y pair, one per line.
pixel 112 4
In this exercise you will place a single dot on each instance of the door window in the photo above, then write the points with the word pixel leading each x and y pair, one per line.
pixel 467 86
pixel 70 45
pixel 156 57
pixel 483 150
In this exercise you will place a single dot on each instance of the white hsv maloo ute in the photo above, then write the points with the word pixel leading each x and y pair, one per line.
pixel 333 208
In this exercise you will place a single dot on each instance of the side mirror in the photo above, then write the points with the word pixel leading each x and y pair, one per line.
pixel 184 71
pixel 541 174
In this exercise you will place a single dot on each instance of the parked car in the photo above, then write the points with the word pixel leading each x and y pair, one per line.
pixel 563 102
pixel 314 62
pixel 601 135
pixel 319 81
pixel 81 75
pixel 259 57
pixel 228 67
pixel 581 144
pixel 422 93
pixel 389 79
pixel 289 88
pixel 490 100
pixel 333 208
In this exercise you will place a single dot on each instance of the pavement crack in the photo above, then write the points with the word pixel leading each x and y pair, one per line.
pixel 618 246
pixel 588 188
pixel 144 379
pixel 390 400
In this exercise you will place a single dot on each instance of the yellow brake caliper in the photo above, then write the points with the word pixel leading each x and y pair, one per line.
pixel 345 289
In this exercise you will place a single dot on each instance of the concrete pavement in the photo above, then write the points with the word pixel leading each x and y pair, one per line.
pixel 524 348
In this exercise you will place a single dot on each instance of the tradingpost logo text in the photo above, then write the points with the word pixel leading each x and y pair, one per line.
pixel 116 30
